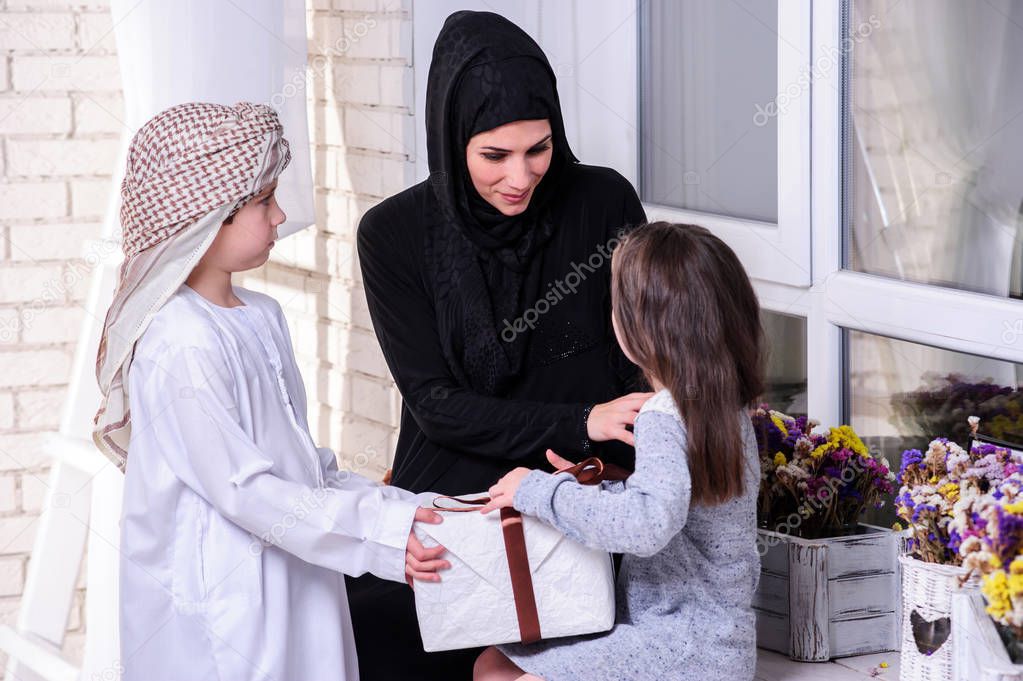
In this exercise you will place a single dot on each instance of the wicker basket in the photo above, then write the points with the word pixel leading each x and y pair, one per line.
pixel 927 590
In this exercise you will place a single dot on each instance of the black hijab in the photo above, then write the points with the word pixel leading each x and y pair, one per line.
pixel 486 72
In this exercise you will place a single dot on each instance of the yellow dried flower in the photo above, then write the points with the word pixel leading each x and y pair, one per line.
pixel 779 424
pixel 996 588
pixel 950 491
pixel 1015 583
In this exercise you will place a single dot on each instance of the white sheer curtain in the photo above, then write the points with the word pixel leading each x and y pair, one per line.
pixel 979 76
pixel 222 51
pixel 936 107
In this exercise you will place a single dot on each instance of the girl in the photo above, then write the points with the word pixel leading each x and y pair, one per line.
pixel 684 311
pixel 235 528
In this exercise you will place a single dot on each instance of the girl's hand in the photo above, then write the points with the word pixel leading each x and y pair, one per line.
pixel 420 562
pixel 503 493
pixel 607 421
pixel 559 463
pixel 612 472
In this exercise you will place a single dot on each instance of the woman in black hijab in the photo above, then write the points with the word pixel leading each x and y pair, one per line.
pixel 489 290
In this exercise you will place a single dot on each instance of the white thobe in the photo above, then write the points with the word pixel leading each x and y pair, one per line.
pixel 236 529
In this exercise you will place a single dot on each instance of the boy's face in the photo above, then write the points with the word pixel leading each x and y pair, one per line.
pixel 245 242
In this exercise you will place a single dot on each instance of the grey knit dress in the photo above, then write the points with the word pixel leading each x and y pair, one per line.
pixel 688 574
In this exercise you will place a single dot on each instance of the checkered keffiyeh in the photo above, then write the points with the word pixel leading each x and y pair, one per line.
pixel 190 159
pixel 189 168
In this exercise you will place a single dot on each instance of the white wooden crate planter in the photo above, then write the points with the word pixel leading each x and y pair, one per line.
pixel 833 597
pixel 979 654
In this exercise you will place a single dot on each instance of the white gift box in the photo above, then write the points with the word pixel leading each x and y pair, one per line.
pixel 474 605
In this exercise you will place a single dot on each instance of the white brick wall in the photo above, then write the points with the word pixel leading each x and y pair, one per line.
pixel 60 107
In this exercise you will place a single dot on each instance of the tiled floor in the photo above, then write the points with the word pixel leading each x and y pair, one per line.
pixel 775 667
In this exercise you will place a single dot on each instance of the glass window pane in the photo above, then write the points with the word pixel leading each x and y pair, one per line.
pixel 786 364
pixel 934 186
pixel 902 395
pixel 708 81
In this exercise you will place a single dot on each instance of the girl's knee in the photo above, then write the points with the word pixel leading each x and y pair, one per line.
pixel 486 665
pixel 492 665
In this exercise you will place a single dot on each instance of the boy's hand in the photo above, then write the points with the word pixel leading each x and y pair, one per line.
pixel 420 562
pixel 503 493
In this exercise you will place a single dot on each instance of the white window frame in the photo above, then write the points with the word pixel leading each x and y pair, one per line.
pixel 839 299
pixel 814 284
pixel 598 74
pixel 833 299
pixel 788 240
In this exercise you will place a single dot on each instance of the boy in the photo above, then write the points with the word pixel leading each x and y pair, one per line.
pixel 236 528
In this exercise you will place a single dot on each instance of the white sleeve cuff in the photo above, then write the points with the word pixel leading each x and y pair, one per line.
pixel 394 524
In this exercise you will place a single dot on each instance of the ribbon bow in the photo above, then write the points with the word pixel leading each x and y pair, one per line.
pixel 591 471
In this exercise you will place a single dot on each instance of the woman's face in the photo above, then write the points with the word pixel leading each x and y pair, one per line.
pixel 507 163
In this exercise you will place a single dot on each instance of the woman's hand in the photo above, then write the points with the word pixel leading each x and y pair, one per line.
pixel 503 493
pixel 420 562
pixel 608 421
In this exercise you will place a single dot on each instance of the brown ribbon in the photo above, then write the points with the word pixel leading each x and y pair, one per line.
pixel 591 471
pixel 521 577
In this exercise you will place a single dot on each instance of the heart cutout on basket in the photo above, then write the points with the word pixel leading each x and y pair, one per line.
pixel 929 635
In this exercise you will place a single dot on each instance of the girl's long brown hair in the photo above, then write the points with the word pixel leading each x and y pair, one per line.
pixel 689 317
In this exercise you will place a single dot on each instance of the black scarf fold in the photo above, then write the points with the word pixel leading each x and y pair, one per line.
pixel 482 265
